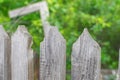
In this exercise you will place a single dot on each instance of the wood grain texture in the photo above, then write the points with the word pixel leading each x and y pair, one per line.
pixel 22 55
pixel 5 68
pixel 44 13
pixel 86 55
pixel 53 56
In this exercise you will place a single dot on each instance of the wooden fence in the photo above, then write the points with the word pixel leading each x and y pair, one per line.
pixel 16 56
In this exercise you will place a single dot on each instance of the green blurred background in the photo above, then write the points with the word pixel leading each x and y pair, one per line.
pixel 101 17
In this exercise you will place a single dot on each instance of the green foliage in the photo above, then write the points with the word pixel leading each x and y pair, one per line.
pixel 101 17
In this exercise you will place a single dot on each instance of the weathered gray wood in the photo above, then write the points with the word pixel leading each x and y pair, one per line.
pixel 29 9
pixel 85 58
pixel 53 56
pixel 44 12
pixel 4 55
pixel 40 6
pixel 22 55
pixel 118 73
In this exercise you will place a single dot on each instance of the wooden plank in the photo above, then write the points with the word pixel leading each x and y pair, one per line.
pixel 40 6
pixel 5 68
pixel 85 58
pixel 53 56
pixel 44 13
pixel 22 55
pixel 29 9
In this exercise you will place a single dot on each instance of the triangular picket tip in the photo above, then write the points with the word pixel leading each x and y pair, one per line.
pixel 21 29
pixel 55 32
pixel 22 32
pixel 85 36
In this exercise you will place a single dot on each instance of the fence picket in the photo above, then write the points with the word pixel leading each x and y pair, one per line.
pixel 53 56
pixel 22 55
pixel 85 58
pixel 5 68
pixel 17 63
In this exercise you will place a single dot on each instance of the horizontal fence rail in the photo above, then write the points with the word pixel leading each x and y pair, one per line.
pixel 17 58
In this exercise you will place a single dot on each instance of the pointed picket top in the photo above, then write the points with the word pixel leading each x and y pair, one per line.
pixel 21 30
pixel 55 32
pixel 53 56
pixel 22 55
pixel 85 58
pixel 86 35
pixel 3 32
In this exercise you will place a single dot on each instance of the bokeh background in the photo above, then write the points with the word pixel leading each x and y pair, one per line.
pixel 101 17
